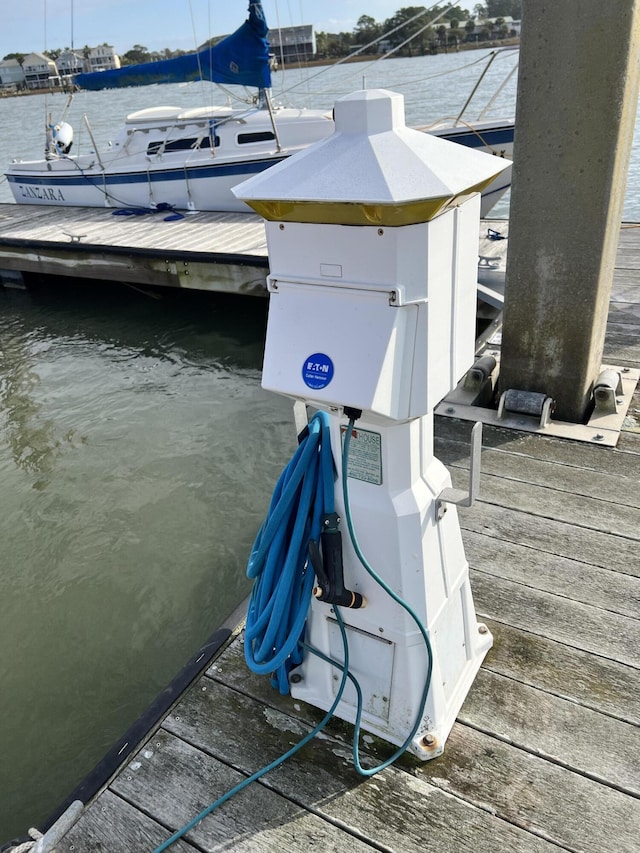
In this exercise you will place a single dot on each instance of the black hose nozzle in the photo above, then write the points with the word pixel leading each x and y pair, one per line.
pixel 329 568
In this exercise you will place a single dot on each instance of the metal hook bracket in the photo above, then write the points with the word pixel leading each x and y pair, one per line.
pixel 459 497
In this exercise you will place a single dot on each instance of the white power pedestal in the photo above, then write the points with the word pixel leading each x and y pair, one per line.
pixel 373 240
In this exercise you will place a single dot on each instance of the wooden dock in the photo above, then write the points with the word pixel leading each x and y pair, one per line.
pixel 224 252
pixel 217 252
pixel 545 755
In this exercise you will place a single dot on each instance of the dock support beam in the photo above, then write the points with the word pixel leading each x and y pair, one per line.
pixel 577 96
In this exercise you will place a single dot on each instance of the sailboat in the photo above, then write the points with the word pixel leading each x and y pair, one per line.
pixel 167 157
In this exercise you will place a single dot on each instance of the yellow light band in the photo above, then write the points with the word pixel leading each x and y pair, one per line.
pixel 358 213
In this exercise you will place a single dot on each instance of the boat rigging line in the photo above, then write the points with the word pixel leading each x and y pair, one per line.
pixel 493 99
pixel 375 41
pixel 492 57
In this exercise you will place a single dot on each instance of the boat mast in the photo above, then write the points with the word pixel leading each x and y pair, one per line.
pixel 264 100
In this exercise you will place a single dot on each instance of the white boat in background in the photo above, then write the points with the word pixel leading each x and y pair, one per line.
pixel 169 158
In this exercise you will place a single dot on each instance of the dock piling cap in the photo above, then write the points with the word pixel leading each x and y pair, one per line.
pixel 373 170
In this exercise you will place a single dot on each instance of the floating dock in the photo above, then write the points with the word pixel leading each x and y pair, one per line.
pixel 223 252
pixel 218 252
pixel 545 754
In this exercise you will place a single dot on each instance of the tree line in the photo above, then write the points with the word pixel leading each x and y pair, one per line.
pixel 407 33
pixel 404 32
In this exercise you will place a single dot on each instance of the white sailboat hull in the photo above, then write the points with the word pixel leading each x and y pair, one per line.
pixel 190 160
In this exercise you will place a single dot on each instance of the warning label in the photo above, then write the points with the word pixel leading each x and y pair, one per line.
pixel 365 455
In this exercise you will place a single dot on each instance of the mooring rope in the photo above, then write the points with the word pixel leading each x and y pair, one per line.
pixel 26 846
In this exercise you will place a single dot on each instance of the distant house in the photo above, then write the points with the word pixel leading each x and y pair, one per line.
pixel 103 58
pixel 293 44
pixel 491 24
pixel 11 75
pixel 70 62
pixel 40 72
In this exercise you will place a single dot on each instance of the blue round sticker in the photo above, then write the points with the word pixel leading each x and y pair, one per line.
pixel 317 371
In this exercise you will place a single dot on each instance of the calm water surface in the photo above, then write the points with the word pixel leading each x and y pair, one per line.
pixel 137 456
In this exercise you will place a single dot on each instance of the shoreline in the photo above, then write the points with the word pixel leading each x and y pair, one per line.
pixel 370 57
pixel 313 63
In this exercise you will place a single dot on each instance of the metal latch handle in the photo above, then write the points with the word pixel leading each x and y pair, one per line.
pixel 458 496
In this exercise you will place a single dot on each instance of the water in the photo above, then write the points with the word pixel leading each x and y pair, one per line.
pixel 137 456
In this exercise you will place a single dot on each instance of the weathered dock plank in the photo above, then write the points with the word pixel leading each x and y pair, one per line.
pixel 560 477
pixel 549 503
pixel 117 827
pixel 624 312
pixel 208 232
pixel 585 457
pixel 582 740
pixel 396 810
pixel 564 539
pixel 562 670
pixel 258 819
pixel 526 790
pixel 574 580
pixel 621 346
pixel 579 625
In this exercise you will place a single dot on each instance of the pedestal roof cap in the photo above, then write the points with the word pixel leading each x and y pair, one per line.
pixel 373 170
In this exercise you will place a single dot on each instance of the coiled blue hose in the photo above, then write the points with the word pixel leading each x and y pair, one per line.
pixel 283 580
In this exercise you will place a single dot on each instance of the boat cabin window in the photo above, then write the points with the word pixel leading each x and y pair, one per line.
pixel 181 144
pixel 262 136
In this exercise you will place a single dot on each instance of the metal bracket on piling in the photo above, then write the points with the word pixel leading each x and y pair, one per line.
pixel 526 403
pixel 607 392
pixel 459 497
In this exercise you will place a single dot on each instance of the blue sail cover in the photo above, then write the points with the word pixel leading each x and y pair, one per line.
pixel 242 58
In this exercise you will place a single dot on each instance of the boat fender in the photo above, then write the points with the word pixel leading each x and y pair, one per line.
pixel 63 137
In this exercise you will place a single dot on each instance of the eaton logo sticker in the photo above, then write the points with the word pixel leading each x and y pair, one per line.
pixel 317 371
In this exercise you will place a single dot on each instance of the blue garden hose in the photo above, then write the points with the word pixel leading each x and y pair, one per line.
pixel 279 562
pixel 281 594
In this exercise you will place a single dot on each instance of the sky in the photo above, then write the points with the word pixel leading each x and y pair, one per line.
pixel 157 24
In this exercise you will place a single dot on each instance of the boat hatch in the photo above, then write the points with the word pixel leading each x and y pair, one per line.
pixel 154 114
pixel 258 136
pixel 205 113
pixel 183 144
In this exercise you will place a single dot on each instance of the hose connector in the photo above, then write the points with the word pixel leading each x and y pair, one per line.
pixel 329 568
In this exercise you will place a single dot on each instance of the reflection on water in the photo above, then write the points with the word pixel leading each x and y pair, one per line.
pixel 137 456
pixel 31 438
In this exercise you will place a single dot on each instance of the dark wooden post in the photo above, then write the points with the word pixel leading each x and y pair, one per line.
pixel 577 97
